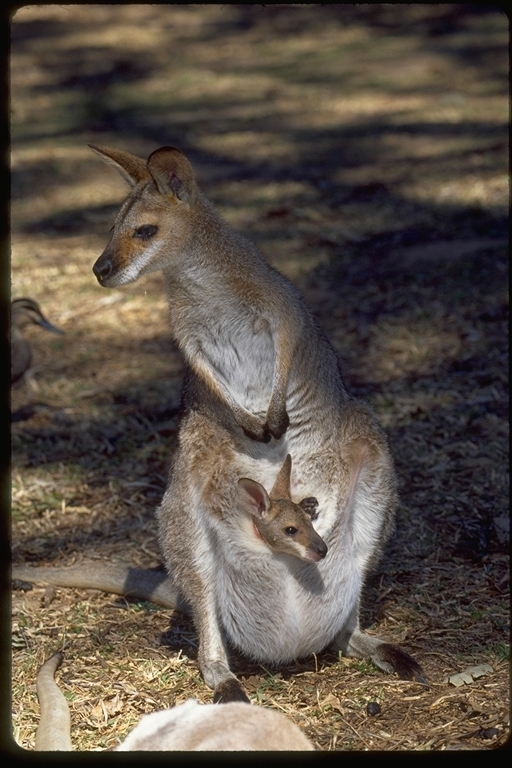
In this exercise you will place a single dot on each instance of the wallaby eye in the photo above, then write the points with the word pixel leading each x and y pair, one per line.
pixel 146 231
pixel 290 530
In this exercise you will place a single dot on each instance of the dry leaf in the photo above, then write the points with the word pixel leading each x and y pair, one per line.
pixel 469 675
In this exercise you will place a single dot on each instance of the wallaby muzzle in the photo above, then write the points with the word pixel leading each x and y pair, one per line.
pixel 103 269
pixel 318 551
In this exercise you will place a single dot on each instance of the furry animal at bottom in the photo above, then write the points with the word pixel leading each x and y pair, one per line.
pixel 190 726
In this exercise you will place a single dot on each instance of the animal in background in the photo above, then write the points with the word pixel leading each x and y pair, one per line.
pixel 190 726
pixel 23 312
pixel 262 382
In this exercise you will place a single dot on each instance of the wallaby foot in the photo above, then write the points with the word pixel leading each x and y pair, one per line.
pixel 390 658
pixel 230 690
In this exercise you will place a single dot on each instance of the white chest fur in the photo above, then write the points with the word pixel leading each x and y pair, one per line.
pixel 276 607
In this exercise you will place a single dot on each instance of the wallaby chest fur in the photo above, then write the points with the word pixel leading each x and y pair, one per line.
pixel 262 382
pixel 273 607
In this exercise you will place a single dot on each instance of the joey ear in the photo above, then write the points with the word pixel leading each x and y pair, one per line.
pixel 172 174
pixel 132 168
pixel 281 489
pixel 253 497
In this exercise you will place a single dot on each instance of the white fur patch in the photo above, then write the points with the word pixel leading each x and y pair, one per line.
pixel 192 726
pixel 131 272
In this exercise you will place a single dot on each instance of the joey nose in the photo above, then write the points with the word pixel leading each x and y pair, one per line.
pixel 318 551
pixel 102 269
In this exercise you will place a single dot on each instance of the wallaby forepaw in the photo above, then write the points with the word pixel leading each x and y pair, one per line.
pixel 309 505
pixel 262 436
pixel 391 658
pixel 277 425
pixel 230 690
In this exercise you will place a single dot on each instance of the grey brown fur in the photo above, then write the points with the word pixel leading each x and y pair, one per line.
pixel 262 382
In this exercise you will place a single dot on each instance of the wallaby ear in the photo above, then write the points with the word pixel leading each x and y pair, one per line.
pixel 281 489
pixel 253 497
pixel 132 168
pixel 173 174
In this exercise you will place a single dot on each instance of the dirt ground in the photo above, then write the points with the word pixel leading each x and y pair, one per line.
pixel 364 148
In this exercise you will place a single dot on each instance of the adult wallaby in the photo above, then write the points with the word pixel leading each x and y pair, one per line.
pixel 190 726
pixel 262 381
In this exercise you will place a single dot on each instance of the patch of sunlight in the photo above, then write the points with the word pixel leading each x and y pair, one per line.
pixel 471 189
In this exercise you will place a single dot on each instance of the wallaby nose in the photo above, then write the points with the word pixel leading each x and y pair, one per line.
pixel 317 551
pixel 322 549
pixel 102 269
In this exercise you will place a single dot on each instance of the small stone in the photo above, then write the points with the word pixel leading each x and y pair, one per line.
pixel 489 733
pixel 373 708
pixel 18 584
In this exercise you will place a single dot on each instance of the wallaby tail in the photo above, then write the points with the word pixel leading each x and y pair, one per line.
pixel 54 731
pixel 150 584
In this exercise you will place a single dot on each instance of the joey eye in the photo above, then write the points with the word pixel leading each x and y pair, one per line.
pixel 146 231
pixel 290 530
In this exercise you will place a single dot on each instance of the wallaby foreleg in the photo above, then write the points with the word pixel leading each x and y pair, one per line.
pixel 252 426
pixel 277 420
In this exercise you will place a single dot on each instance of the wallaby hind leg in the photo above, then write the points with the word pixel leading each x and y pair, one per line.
pixel 190 558
pixel 213 658
pixel 370 500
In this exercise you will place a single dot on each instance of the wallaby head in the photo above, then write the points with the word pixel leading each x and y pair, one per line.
pixel 283 525
pixel 156 221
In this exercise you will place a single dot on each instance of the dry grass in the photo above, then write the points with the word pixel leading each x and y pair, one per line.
pixel 364 148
